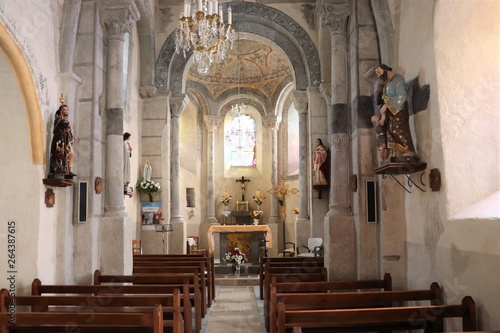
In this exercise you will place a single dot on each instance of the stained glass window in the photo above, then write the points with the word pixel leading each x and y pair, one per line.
pixel 240 141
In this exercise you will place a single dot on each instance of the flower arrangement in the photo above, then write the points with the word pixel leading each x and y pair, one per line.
pixel 148 187
pixel 258 198
pixel 225 198
pixel 256 214
pixel 296 211
pixel 235 256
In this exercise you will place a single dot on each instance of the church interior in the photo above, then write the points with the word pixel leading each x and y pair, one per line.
pixel 269 129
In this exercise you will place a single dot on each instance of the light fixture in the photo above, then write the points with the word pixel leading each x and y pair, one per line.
pixel 239 108
pixel 202 29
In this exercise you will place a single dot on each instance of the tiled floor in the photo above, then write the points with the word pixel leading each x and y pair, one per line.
pixel 237 309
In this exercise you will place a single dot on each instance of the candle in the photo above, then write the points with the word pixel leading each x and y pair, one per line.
pixel 220 14
pixel 216 6
pixel 200 5
pixel 229 15
pixel 210 7
pixel 185 12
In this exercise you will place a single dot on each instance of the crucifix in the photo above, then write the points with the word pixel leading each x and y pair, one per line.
pixel 242 181
pixel 281 193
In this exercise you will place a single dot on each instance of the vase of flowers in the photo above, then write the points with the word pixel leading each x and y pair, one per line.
pixel 258 198
pixel 148 187
pixel 225 198
pixel 256 215
pixel 236 257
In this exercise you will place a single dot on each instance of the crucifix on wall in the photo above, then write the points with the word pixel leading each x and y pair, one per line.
pixel 243 181
pixel 282 192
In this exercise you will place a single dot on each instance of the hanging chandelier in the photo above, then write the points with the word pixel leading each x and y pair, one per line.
pixel 239 108
pixel 202 29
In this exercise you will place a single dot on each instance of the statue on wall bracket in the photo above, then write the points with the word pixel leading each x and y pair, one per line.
pixel 61 149
pixel 321 167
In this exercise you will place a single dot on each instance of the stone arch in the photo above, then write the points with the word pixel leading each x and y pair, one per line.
pixel 29 92
pixel 256 19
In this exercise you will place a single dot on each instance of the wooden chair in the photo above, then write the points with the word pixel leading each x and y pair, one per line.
pixel 136 246
pixel 192 249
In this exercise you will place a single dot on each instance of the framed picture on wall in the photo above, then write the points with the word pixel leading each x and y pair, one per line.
pixel 151 213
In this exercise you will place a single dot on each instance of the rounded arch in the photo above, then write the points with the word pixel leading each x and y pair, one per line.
pixel 29 93
pixel 259 20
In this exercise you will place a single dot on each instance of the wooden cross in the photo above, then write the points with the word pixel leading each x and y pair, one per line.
pixel 242 181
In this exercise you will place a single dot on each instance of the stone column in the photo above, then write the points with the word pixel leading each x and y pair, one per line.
pixel 303 225
pixel 177 105
pixel 211 123
pixel 115 233
pixel 340 252
pixel 272 123
pixel 300 103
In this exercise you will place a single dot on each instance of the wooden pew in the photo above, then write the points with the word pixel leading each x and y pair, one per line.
pixel 339 300
pixel 198 268
pixel 95 321
pixel 159 278
pixel 293 274
pixel 39 289
pixel 209 259
pixel 205 276
pixel 284 262
pixel 171 305
pixel 376 319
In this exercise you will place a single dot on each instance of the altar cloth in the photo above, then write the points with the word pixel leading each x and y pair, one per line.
pixel 238 228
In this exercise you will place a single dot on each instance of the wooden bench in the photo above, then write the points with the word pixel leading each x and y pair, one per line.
pixel 39 289
pixel 284 262
pixel 198 269
pixel 159 278
pixel 428 318
pixel 340 300
pixel 294 275
pixel 152 259
pixel 93 321
pixel 178 266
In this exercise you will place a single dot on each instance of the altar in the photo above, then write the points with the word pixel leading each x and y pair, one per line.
pixel 252 239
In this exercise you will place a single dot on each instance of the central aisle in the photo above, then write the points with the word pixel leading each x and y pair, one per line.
pixel 236 309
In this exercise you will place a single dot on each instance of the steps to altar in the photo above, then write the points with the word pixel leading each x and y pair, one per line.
pixel 249 275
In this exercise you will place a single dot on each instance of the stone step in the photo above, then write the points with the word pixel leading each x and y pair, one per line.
pixel 234 280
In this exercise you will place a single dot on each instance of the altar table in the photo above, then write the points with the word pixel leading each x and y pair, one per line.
pixel 238 228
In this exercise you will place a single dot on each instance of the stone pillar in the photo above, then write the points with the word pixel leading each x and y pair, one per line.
pixel 115 232
pixel 302 225
pixel 177 105
pixel 340 252
pixel 272 123
pixel 211 123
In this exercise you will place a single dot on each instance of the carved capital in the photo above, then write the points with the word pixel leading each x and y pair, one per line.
pixel 120 19
pixel 300 101
pixel 334 15
pixel 177 104
pixel 211 122
pixel 272 123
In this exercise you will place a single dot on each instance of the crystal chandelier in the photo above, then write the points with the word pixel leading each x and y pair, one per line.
pixel 202 29
pixel 239 108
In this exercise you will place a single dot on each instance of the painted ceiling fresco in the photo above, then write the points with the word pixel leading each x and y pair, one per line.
pixel 261 68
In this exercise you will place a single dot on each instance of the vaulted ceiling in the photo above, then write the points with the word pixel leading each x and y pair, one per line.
pixel 260 69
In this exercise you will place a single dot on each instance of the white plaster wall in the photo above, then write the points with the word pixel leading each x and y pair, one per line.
pixel 34 27
pixel 468 69
pixel 448 44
